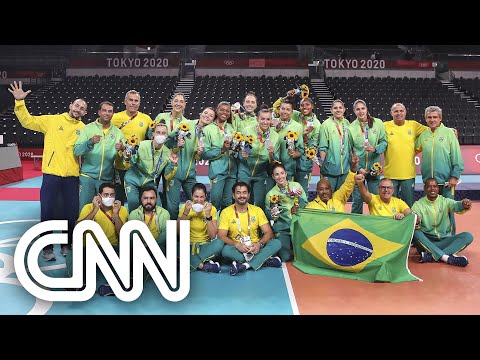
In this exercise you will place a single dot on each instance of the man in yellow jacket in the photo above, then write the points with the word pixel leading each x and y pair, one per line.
pixel 60 166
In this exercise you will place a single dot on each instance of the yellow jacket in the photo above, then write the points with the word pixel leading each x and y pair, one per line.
pixel 137 126
pixel 61 131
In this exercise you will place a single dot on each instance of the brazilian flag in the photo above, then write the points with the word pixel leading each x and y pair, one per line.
pixel 352 246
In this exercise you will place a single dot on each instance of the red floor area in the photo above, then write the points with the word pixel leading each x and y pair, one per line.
pixel 28 170
pixel 24 194
pixel 20 194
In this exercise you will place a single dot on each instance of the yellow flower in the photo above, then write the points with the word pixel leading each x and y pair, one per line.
pixel 133 140
pixel 184 127
pixel 305 91
pixel 377 167
pixel 292 135
pixel 250 139
pixel 274 199
pixel 311 152
pixel 238 137
pixel 153 124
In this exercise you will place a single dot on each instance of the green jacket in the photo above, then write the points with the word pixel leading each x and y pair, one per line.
pixel 240 124
pixel 441 154
pixel 376 137
pixel 289 163
pixel 187 154
pixel 220 164
pixel 336 163
pixel 98 159
pixel 303 163
pixel 434 218
pixel 161 218
pixel 258 161
pixel 144 167
pixel 286 203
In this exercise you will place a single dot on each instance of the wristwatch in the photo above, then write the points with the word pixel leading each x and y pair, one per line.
pixel 208 218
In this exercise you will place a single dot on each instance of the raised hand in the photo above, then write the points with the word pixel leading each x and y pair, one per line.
pixel 359 178
pixel 467 204
pixel 96 139
pixel 97 201
pixel 354 160
pixel 208 209
pixel 119 146
pixel 17 91
pixel 116 206
pixel 173 158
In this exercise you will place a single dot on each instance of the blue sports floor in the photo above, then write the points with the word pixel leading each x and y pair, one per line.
pixel 263 292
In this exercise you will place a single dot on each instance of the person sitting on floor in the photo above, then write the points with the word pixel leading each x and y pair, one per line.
pixel 433 238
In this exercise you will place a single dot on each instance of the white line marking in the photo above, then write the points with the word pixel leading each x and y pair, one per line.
pixel 291 295
pixel 53 267
pixel 9 240
pixel 18 221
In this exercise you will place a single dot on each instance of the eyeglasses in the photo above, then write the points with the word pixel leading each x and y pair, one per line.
pixel 385 187
pixel 107 195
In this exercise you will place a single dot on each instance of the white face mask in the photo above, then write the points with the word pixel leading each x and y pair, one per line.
pixel 198 207
pixel 160 139
pixel 108 201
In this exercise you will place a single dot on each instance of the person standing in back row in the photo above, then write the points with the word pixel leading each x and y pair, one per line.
pixel 132 123
pixel 60 166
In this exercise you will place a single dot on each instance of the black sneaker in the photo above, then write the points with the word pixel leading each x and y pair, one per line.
pixel 211 267
pixel 457 260
pixel 237 268
pixel 105 290
pixel 425 257
pixel 273 262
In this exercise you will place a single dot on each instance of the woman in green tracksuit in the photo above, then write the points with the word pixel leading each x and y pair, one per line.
pixel 223 165
pixel 367 136
pixel 189 149
pixel 254 166
pixel 151 159
pixel 287 197
pixel 291 149
pixel 335 147
pixel 247 118
pixel 311 138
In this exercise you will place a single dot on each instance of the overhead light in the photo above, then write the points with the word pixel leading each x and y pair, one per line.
pixel 148 48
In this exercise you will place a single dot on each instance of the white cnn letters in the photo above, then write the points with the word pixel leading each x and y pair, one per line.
pixel 42 286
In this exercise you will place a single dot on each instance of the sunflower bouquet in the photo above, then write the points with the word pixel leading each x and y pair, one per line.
pixel 275 206
pixel 183 131
pixel 292 138
pixel 237 140
pixel 247 143
pixel 376 169
pixel 311 153
pixel 131 145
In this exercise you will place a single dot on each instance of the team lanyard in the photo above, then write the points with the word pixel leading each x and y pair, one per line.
pixel 151 218
pixel 223 129
pixel 108 216
pixel 239 226
pixel 126 122
pixel 285 190
pixel 260 137
pixel 171 121
pixel 284 124
pixel 341 134
pixel 365 132
pixel 306 121
pixel 159 162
